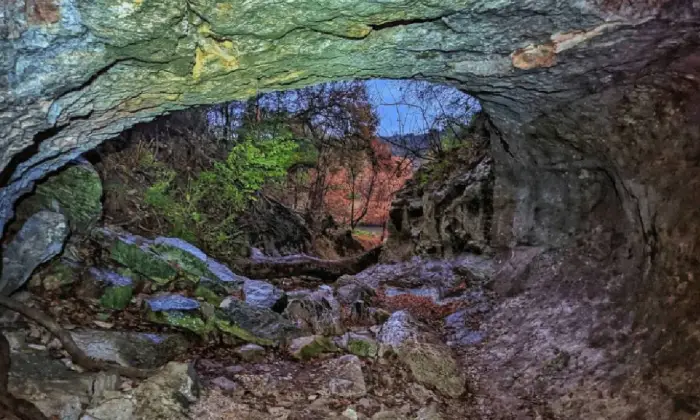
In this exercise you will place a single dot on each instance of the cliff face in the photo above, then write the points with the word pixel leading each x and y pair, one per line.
pixel 447 208
pixel 593 106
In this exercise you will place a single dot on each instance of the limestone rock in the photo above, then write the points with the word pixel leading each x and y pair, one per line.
pixel 344 377
pixel 251 352
pixel 75 192
pixel 255 325
pixel 55 390
pixel 448 213
pixel 353 291
pixel 41 238
pixel 164 396
pixel 318 312
pixel 261 294
pixel 362 345
pixel 430 361
pixel 141 350
pixel 306 348
pixel 171 302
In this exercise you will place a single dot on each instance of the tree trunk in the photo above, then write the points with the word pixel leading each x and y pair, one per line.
pixel 304 265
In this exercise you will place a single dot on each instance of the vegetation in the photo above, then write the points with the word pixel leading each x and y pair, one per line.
pixel 204 209
pixel 316 150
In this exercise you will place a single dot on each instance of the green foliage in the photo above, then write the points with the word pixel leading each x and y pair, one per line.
pixel 204 209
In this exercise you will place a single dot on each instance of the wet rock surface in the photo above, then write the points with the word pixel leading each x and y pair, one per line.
pixel 41 238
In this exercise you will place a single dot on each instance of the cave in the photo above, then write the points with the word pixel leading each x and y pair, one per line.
pixel 593 116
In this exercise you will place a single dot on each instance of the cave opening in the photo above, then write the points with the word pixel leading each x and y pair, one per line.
pixel 334 154
pixel 553 274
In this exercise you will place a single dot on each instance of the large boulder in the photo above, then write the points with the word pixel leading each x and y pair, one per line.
pixel 317 312
pixel 430 361
pixel 75 192
pixel 261 294
pixel 162 260
pixel 140 350
pixel 255 325
pixel 164 396
pixel 41 238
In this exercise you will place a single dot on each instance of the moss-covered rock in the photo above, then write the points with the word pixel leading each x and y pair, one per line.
pixel 142 260
pixel 75 192
pixel 117 297
pixel 208 295
pixel 361 345
pixel 431 362
pixel 306 348
pixel 433 365
pixel 188 320
pixel 255 325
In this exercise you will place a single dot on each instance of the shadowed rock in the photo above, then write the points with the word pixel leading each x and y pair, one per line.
pixel 41 238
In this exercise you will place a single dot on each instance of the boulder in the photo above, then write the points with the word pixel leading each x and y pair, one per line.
pixel 135 252
pixel 54 389
pixel 140 350
pixel 164 396
pixel 362 345
pixel 164 259
pixel 317 312
pixel 75 192
pixel 255 325
pixel 41 238
pixel 430 361
pixel 261 294
pixel 344 377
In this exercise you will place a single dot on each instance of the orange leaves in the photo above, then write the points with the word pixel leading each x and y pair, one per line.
pixel 420 307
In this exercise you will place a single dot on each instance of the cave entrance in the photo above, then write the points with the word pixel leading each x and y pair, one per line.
pixel 330 157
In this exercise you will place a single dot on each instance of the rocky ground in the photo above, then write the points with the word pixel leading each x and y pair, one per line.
pixel 379 344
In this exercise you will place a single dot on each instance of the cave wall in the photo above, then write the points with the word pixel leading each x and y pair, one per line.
pixel 593 105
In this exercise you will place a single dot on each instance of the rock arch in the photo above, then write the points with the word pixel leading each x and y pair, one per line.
pixel 594 105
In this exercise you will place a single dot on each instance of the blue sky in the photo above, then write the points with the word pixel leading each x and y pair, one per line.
pixel 401 113
pixel 394 119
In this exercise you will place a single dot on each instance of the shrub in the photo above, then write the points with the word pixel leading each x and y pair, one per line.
pixel 204 208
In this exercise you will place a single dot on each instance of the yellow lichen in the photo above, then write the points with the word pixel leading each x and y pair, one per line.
pixel 221 53
pixel 286 77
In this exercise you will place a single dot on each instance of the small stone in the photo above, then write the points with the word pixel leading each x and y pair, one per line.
pixel 251 352
pixel 224 384
pixel 102 324
pixel 234 369
pixel 172 302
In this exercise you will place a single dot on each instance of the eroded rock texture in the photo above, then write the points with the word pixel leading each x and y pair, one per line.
pixel 594 110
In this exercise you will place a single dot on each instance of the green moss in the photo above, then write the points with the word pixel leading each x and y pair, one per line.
pixel 229 328
pixel 307 348
pixel 208 295
pixel 75 191
pixel 117 297
pixel 362 347
pixel 143 262
pixel 184 261
pixel 185 320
